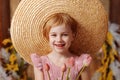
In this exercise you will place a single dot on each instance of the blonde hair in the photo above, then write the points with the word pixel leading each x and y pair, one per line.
pixel 59 19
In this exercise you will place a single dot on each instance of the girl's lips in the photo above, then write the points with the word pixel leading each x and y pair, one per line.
pixel 59 45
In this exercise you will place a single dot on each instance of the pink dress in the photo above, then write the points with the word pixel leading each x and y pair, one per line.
pixel 71 68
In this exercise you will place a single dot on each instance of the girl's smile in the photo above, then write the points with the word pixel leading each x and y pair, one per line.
pixel 59 45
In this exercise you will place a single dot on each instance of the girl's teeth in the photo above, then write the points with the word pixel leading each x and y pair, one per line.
pixel 60 45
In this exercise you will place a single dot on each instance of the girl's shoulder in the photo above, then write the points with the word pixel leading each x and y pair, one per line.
pixel 44 58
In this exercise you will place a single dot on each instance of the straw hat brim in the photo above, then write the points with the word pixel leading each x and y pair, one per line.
pixel 31 15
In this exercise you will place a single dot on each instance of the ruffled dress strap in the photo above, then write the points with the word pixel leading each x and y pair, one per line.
pixel 37 61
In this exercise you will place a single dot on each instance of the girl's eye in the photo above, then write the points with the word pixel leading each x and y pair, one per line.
pixel 53 35
pixel 65 34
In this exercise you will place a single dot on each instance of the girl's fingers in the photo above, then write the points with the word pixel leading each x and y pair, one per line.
pixel 87 59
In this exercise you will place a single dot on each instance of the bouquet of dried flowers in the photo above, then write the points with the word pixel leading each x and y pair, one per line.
pixel 12 65
pixel 64 68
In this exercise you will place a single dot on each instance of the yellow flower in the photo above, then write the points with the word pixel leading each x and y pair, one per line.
pixel 6 41
pixel 12 58
pixel 9 48
pixel 115 52
pixel 110 75
pixel 104 48
pixel 12 67
pixel 104 67
pixel 109 56
pixel 109 38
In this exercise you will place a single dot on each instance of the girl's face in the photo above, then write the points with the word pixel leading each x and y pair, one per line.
pixel 60 38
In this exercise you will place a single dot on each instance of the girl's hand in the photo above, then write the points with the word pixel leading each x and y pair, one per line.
pixel 87 59
pixel 36 61
pixel 83 60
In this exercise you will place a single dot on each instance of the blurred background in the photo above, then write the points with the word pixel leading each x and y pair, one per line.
pixel 105 64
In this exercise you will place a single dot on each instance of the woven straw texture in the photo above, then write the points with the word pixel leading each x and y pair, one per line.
pixel 31 15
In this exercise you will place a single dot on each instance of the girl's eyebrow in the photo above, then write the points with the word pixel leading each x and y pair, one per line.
pixel 52 32
pixel 55 32
pixel 65 32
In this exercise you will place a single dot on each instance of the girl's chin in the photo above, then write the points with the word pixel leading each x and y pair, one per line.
pixel 58 50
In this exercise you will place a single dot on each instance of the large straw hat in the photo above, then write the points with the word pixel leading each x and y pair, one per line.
pixel 31 15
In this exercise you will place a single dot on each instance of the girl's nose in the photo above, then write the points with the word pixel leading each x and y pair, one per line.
pixel 59 38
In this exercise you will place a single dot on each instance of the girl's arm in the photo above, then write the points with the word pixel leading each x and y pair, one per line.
pixel 84 61
pixel 37 65
pixel 85 75
pixel 38 74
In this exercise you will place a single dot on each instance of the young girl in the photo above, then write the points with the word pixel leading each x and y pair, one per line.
pixel 60 63
pixel 54 35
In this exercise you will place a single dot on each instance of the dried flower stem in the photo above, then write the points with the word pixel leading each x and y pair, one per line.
pixel 48 75
pixel 80 72
pixel 67 78
pixel 63 68
pixel 62 75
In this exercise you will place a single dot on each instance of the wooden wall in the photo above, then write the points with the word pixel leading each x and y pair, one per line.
pixel 0 23
pixel 115 11
pixel 4 19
